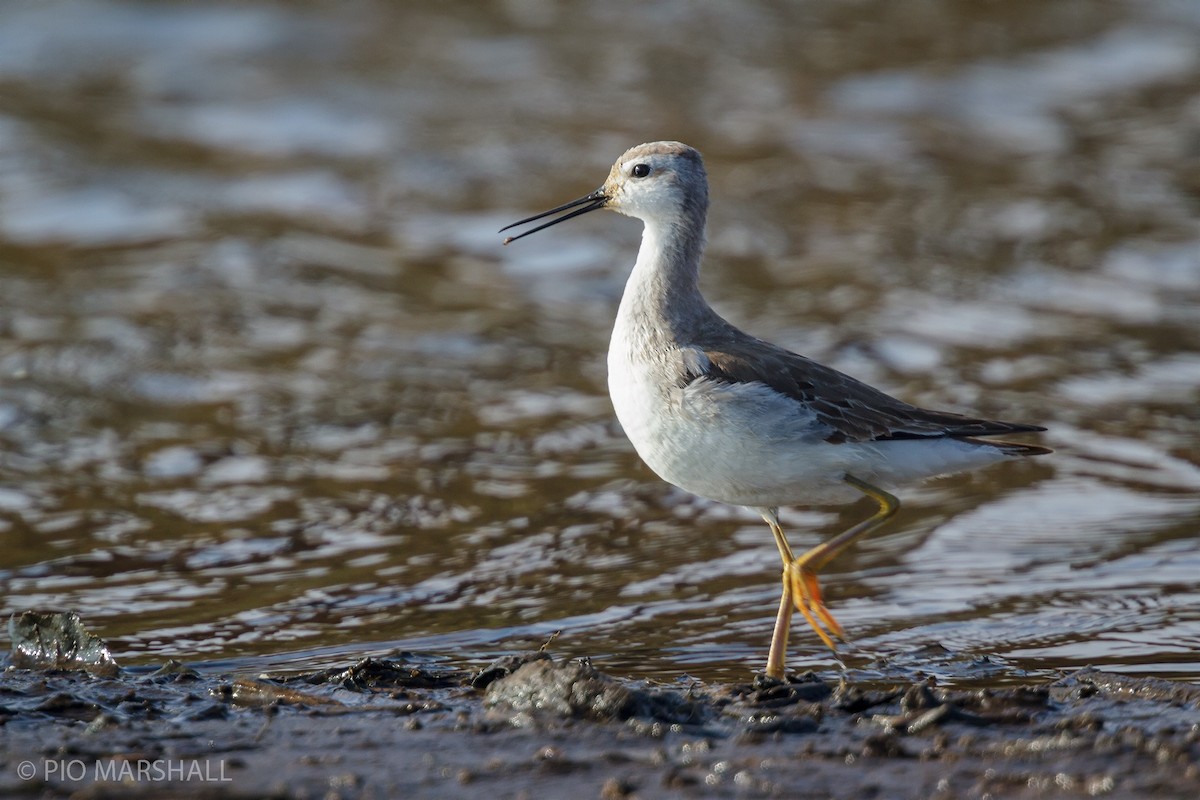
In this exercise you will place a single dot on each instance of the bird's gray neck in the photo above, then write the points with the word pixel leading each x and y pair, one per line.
pixel 663 291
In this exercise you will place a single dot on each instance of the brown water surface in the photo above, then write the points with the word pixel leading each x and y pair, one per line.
pixel 271 391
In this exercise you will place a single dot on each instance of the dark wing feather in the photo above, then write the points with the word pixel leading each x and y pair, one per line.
pixel 853 410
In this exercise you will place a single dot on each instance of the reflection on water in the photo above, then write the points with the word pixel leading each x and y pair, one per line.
pixel 271 391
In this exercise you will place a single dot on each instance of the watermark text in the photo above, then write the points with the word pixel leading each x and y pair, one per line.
pixel 121 770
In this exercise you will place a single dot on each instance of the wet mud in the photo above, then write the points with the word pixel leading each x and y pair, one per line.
pixel 536 725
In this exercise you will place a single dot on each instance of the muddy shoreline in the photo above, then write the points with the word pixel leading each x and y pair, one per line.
pixel 535 726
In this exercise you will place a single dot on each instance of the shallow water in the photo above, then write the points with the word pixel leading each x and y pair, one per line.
pixel 271 391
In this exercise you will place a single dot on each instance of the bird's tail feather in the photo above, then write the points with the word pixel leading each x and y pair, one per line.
pixel 1010 448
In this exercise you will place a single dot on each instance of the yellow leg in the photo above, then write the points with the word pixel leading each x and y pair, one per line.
pixel 779 638
pixel 800 585
pixel 777 656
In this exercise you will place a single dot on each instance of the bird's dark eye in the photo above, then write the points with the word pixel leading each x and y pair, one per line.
pixel 640 170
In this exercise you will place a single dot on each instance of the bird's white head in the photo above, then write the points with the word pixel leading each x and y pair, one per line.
pixel 658 182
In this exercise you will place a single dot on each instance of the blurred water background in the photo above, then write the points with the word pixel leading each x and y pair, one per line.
pixel 272 393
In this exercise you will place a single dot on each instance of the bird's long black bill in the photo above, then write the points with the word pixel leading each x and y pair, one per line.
pixel 590 202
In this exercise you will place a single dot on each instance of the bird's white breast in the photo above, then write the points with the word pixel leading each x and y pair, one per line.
pixel 743 444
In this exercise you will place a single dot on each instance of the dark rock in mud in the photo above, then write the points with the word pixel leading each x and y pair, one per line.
pixel 576 689
pixel 503 666
pixel 57 640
